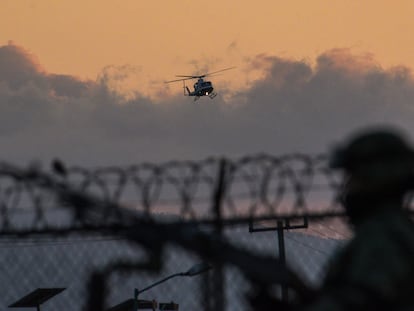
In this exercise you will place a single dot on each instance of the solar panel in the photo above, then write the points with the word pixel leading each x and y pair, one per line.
pixel 36 298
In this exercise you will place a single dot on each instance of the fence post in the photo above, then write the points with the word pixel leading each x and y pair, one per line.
pixel 214 282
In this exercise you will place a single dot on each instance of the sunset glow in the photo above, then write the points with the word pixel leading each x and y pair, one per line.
pixel 84 80
pixel 160 39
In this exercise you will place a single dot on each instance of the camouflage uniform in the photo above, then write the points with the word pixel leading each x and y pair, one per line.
pixel 375 270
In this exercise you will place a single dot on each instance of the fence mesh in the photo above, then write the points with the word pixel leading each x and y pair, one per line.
pixel 59 227
pixel 68 262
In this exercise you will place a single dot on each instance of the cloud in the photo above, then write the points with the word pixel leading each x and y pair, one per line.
pixel 306 106
pixel 18 66
pixel 293 107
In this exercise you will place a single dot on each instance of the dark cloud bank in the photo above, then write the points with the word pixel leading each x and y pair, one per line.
pixel 296 107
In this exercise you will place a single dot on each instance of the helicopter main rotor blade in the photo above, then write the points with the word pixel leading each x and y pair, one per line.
pixel 211 73
pixel 189 77
pixel 178 80
pixel 206 74
pixel 185 77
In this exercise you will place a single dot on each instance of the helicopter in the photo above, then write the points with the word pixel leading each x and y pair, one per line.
pixel 201 87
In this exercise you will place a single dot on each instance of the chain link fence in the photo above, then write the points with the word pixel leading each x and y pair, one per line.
pixel 61 226
pixel 68 262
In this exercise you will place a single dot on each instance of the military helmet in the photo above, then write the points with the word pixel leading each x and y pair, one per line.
pixel 380 156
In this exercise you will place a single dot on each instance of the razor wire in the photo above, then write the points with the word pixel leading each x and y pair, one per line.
pixel 153 205
pixel 255 187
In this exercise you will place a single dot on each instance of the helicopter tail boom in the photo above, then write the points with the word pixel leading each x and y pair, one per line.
pixel 188 91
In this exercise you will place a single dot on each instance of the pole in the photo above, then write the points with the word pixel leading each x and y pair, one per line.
pixel 193 271
pixel 158 282
pixel 218 273
pixel 213 284
pixel 137 291
pixel 281 226
pixel 282 255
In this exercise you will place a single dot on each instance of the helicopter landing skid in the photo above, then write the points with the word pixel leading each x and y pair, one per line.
pixel 212 95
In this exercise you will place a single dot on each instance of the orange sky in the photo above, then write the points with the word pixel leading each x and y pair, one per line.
pixel 159 38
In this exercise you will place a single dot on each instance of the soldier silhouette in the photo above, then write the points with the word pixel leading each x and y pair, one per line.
pixel 375 270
